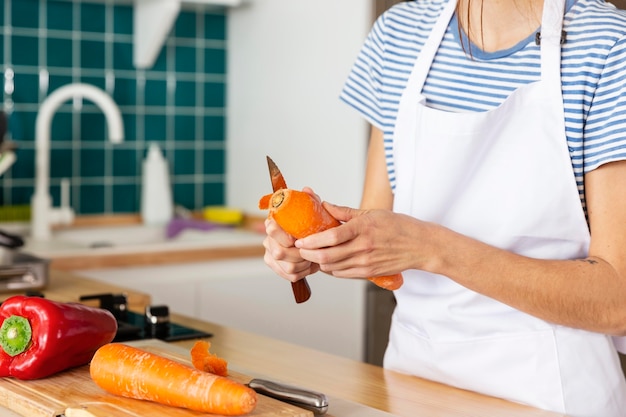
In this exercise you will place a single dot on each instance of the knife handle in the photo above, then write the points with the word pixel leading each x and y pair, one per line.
pixel 309 400
pixel 301 290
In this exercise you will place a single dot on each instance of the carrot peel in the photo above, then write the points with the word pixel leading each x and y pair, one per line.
pixel 388 282
pixel 300 214
pixel 134 373
pixel 204 360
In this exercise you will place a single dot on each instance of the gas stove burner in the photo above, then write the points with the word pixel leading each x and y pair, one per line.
pixel 154 324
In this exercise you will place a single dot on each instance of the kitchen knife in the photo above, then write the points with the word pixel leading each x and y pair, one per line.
pixel 300 288
pixel 309 400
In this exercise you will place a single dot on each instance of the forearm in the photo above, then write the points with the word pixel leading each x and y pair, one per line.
pixel 583 293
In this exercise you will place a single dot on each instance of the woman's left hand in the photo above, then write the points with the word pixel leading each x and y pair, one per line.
pixel 368 243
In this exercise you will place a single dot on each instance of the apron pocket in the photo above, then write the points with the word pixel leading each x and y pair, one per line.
pixel 520 367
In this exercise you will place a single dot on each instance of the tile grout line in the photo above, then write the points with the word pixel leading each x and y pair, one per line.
pixel 7 95
pixel 76 122
pixel 199 132
pixel 110 88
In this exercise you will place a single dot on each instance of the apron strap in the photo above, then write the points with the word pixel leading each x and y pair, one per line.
pixel 427 54
pixel 551 41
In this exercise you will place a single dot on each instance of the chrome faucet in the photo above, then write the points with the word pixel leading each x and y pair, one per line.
pixel 43 215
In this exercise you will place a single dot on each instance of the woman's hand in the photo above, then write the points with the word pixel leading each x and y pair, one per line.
pixel 281 255
pixel 369 243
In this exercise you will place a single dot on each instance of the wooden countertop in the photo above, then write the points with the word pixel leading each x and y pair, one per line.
pixel 163 257
pixel 370 385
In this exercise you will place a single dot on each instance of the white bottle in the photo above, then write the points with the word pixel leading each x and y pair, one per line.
pixel 157 206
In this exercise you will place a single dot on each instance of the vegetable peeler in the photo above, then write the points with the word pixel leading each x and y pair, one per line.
pixel 301 289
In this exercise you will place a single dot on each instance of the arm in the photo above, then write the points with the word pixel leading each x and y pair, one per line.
pixel 376 190
pixel 587 293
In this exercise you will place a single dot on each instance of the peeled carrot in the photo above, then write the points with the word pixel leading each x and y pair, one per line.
pixel 133 373
pixel 204 360
pixel 300 214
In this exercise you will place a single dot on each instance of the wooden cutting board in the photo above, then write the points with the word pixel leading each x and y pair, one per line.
pixel 73 394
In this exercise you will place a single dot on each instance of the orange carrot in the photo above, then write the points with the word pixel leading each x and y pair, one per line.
pixel 133 373
pixel 300 214
pixel 204 360
pixel 297 212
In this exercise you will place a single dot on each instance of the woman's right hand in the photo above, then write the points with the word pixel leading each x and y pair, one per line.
pixel 282 256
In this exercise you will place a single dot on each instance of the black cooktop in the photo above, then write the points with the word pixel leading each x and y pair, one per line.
pixel 153 324
pixel 136 327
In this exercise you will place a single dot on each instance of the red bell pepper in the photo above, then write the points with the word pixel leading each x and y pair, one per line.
pixel 40 337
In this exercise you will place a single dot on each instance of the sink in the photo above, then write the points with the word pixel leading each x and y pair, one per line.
pixel 22 271
pixel 135 238
pixel 150 236
pixel 147 235
pixel 111 236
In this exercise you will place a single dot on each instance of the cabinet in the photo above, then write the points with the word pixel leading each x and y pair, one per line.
pixel 245 294
pixel 153 20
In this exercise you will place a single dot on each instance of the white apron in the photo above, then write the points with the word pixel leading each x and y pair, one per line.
pixel 503 177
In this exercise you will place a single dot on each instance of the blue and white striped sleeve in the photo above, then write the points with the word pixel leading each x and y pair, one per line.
pixel 362 89
pixel 605 126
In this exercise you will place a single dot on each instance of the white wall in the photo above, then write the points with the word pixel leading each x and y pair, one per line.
pixel 287 62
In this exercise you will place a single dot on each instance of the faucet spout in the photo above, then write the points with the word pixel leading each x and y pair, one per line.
pixel 42 213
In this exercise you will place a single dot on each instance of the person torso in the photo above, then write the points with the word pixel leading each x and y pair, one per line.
pixel 503 177
pixel 402 31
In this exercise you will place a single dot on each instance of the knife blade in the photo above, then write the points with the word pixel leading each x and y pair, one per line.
pixel 307 399
pixel 301 289
pixel 278 181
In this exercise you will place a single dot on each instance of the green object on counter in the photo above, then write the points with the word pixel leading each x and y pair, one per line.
pixel 15 213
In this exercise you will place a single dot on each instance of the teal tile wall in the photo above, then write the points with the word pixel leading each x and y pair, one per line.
pixel 179 102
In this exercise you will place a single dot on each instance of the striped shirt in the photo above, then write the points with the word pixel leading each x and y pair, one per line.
pixel 593 74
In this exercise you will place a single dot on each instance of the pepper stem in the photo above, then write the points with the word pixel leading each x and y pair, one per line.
pixel 15 335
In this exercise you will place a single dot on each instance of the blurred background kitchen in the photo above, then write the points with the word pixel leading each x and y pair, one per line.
pixel 177 100
pixel 217 85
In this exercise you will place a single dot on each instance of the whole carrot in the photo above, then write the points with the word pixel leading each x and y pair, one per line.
pixel 133 373
pixel 300 214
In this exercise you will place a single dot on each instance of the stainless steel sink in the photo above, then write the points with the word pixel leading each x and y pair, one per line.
pixel 127 237
pixel 22 271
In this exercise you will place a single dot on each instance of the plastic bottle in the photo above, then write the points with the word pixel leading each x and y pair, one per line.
pixel 157 206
